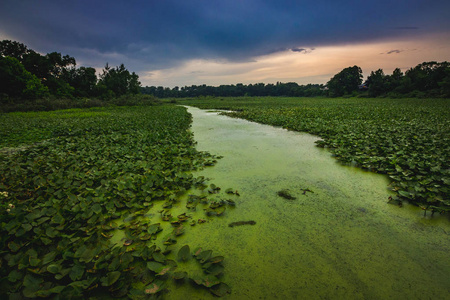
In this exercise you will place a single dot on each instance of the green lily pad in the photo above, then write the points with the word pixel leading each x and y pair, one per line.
pixel 184 253
pixel 13 246
pixel 183 217
pixel 15 275
pixel 215 269
pixel 216 259
pixel 49 257
pixel 110 278
pixel 154 288
pixel 178 230
pixel 159 257
pixel 54 268
pixel 179 275
pixel 206 280
pixel 155 266
pixel 220 290
pixel 77 272
pixel 204 256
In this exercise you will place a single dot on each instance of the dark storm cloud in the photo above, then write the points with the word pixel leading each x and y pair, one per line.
pixel 159 34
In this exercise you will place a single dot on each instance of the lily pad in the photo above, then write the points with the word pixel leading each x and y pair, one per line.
pixel 204 256
pixel 110 278
pixel 179 275
pixel 206 280
pixel 215 269
pixel 220 289
pixel 155 266
pixel 159 257
pixel 154 288
pixel 184 253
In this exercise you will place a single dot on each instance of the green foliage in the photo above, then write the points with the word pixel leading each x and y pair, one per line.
pixel 426 79
pixel 258 89
pixel 18 82
pixel 407 139
pixel 71 181
pixel 345 82
pixel 118 81
pixel 60 77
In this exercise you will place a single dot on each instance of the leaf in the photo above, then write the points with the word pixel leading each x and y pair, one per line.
pixel 32 281
pixel 54 268
pixel 220 290
pixel 204 256
pixel 155 266
pixel 27 227
pixel 49 257
pixel 13 246
pixel 110 278
pixel 154 288
pixel 58 219
pixel 77 272
pixel 404 194
pixel 184 254
pixel 34 261
pixel 215 269
pixel 164 271
pixel 51 232
pixel 178 230
pixel 154 228
pixel 96 208
pixel 159 257
pixel 15 275
pixel 206 280
pixel 216 259
pixel 179 275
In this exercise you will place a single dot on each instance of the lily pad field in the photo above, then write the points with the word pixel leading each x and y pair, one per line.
pixel 78 192
pixel 100 203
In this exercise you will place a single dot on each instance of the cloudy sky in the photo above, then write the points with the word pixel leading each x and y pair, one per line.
pixel 184 42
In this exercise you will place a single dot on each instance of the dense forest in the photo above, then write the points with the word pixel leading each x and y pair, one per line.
pixel 429 79
pixel 27 75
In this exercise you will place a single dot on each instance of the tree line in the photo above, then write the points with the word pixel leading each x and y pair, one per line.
pixel 258 89
pixel 428 79
pixel 27 75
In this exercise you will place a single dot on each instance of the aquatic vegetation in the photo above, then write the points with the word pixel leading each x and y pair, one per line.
pixel 304 191
pixel 78 200
pixel 286 194
pixel 406 139
pixel 240 223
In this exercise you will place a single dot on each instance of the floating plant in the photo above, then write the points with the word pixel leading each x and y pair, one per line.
pixel 240 223
pixel 286 194
pixel 82 220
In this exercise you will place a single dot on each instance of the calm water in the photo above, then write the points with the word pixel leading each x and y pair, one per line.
pixel 340 241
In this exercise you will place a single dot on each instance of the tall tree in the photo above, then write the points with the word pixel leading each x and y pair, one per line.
pixel 17 82
pixel 377 83
pixel 13 49
pixel 345 82
pixel 119 81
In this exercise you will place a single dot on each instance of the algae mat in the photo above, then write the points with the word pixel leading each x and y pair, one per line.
pixel 338 239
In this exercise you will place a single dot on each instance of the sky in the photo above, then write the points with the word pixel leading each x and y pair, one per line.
pixel 191 42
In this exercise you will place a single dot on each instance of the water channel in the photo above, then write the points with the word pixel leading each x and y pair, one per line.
pixel 339 240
